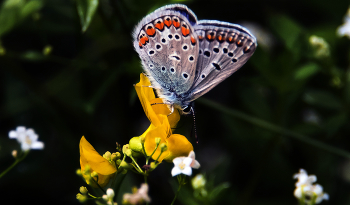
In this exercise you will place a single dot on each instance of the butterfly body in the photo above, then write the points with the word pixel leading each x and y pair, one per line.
pixel 184 58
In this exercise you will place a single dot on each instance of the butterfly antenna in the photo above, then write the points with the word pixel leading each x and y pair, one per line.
pixel 194 124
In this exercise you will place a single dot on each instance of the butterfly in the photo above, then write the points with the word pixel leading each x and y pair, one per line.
pixel 185 58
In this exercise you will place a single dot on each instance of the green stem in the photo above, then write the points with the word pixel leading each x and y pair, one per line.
pixel 14 163
pixel 140 170
pixel 177 193
pixel 154 150
pixel 275 128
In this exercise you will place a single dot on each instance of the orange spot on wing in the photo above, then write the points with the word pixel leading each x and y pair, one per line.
pixel 193 40
pixel 151 31
pixel 140 44
pixel 200 37
pixel 144 40
pixel 209 37
pixel 167 23
pixel 185 31
pixel 160 26
pixel 176 24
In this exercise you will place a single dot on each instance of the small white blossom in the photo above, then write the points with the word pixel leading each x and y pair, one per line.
pixel 109 196
pixel 303 178
pixel 27 138
pixel 306 190
pixel 344 30
pixel 139 197
pixel 195 164
pixel 182 165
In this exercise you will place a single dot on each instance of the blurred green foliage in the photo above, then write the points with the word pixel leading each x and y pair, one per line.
pixel 68 69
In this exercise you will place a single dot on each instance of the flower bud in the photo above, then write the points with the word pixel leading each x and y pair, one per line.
pixel 107 156
pixel 14 153
pixel 83 190
pixel 125 165
pixel 153 166
pixel 157 140
pixel 127 150
pixel 135 144
pixel 81 198
pixel 115 156
pixel 163 147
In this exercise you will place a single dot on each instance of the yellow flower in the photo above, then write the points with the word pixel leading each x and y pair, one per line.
pixel 90 158
pixel 161 125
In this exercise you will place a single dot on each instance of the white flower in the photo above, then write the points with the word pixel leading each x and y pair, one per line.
pixel 139 197
pixel 303 178
pixel 182 165
pixel 109 196
pixel 306 190
pixel 27 138
pixel 344 30
pixel 195 164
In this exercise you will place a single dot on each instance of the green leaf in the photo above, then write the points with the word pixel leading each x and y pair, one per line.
pixel 306 71
pixel 86 11
pixel 218 190
pixel 322 99
pixel 14 12
pixel 335 122
pixel 287 29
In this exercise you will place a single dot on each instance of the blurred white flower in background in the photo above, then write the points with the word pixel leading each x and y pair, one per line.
pixel 307 191
pixel 344 30
pixel 27 138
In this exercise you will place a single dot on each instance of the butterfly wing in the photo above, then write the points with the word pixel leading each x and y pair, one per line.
pixel 223 49
pixel 168 47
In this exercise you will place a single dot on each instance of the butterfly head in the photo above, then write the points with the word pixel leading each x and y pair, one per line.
pixel 187 109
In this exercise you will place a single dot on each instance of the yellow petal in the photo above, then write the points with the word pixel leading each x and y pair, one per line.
pixel 153 132
pixel 89 156
pixel 163 109
pixel 178 145
pixel 145 95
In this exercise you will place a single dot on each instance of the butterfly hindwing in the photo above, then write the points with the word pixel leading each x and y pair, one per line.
pixel 168 47
pixel 223 49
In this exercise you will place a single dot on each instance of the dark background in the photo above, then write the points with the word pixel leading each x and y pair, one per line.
pixel 85 87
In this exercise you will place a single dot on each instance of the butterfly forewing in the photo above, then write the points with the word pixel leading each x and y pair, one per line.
pixel 168 47
pixel 223 49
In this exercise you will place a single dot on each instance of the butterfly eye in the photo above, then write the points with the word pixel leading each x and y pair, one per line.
pixel 186 109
